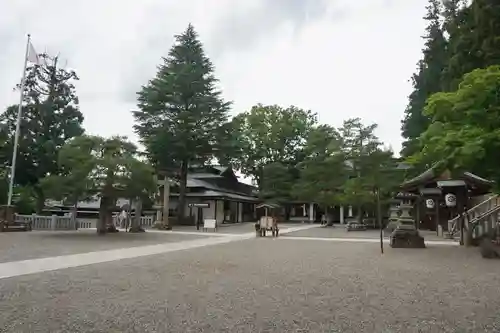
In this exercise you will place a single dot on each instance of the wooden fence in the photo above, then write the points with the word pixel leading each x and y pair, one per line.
pixel 40 222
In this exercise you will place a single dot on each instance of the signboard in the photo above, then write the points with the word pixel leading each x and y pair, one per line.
pixel 209 224
pixel 200 205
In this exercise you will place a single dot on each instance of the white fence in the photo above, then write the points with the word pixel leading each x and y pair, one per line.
pixel 39 222
pixel 146 221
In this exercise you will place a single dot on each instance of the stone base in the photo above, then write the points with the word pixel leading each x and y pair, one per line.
pixel 137 229
pixel 161 226
pixel 406 238
pixel 111 228
pixel 390 227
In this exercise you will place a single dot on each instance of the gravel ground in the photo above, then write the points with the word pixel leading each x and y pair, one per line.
pixel 239 228
pixel 264 285
pixel 40 244
pixel 339 231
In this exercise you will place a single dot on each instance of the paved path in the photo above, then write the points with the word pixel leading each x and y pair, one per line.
pixel 23 267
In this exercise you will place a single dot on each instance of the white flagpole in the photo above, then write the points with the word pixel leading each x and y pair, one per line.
pixel 18 125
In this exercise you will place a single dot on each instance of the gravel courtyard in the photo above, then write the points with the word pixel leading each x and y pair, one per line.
pixel 39 244
pixel 264 285
pixel 339 231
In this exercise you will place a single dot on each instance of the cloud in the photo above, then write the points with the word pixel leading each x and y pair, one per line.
pixel 340 58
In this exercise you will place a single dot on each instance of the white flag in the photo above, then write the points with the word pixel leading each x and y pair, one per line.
pixel 32 55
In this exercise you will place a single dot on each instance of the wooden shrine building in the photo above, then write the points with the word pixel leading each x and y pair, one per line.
pixel 431 189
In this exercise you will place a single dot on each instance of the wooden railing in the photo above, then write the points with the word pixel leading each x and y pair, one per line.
pixel 40 222
pixel 485 224
pixel 473 213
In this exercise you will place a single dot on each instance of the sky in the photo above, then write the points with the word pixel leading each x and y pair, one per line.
pixel 338 58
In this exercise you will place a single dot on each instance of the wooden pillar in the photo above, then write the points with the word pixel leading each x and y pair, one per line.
pixel 311 212
pixel 215 211
pixel 166 200
pixel 417 213
pixel 436 203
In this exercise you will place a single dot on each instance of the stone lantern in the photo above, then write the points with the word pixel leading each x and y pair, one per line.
pixel 405 218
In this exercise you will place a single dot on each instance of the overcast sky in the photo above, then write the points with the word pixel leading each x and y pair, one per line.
pixel 339 58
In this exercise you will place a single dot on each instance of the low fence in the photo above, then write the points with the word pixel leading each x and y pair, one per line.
pixel 146 221
pixel 40 222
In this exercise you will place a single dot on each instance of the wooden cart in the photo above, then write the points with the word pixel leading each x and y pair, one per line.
pixel 267 222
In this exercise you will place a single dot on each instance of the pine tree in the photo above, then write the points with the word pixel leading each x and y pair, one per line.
pixel 51 116
pixel 182 117
pixel 427 80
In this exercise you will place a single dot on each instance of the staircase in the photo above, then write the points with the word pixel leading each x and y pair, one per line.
pixel 481 220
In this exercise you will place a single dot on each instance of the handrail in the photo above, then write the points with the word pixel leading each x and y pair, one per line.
pixel 454 221
pixel 486 214
pixel 493 197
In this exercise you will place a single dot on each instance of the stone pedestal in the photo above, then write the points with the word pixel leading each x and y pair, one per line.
pixel 406 236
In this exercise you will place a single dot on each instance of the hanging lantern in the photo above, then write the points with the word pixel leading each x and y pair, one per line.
pixel 429 203
pixel 450 199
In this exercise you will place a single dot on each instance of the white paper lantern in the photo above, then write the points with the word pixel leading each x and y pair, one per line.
pixel 429 203
pixel 450 199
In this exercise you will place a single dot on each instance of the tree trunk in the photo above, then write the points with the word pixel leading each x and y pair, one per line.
pixel 103 211
pixel 136 221
pixel 359 214
pixel 288 211
pixel 164 222
pixel 166 204
pixel 181 209
pixel 74 212
pixel 328 217
pixel 39 200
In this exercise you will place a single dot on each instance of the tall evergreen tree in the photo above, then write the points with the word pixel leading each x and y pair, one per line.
pixel 458 27
pixel 427 80
pixel 474 38
pixel 182 117
pixel 51 116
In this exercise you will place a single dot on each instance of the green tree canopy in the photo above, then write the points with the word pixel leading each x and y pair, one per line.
pixel 465 125
pixel 51 117
pixel 270 134
pixel 366 160
pixel 182 117
pixel 323 172
pixel 103 167
pixel 427 80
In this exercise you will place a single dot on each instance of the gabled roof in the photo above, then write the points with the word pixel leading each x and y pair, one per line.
pixel 434 175
pixel 221 180
pixel 268 205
